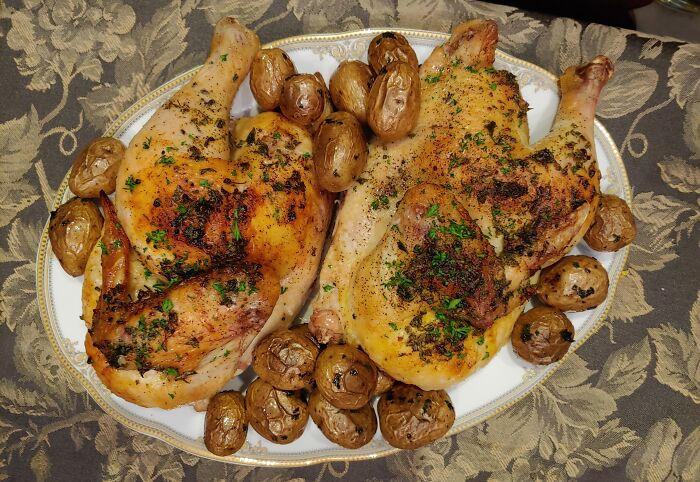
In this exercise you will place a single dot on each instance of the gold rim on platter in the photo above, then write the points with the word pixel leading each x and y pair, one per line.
pixel 43 257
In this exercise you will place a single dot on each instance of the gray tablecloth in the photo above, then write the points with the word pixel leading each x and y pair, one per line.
pixel 627 404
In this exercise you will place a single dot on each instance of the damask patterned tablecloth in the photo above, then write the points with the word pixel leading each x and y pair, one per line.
pixel 625 405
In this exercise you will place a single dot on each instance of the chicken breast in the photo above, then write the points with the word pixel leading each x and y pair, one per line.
pixel 435 247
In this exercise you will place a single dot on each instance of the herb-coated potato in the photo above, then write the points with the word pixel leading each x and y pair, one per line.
pixel 390 47
pixel 278 415
pixel 268 72
pixel 348 428
pixel 613 227
pixel 285 359
pixel 74 229
pixel 95 168
pixel 384 383
pixel 410 417
pixel 574 283
pixel 345 376
pixel 350 86
pixel 340 151
pixel 303 99
pixel 394 102
pixel 542 335
pixel 226 423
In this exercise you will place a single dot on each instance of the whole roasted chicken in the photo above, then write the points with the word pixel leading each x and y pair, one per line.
pixel 211 241
pixel 436 245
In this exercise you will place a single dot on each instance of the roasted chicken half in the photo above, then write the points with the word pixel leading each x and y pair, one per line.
pixel 436 245
pixel 211 241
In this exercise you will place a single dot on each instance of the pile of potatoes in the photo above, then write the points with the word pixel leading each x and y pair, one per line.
pixel 383 97
pixel 335 386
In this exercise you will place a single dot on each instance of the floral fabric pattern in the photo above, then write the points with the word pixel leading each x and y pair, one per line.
pixel 625 406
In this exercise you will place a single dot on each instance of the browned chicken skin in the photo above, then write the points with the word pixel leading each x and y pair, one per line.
pixel 211 241
pixel 434 248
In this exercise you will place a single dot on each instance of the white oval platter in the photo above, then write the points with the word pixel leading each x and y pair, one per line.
pixel 504 381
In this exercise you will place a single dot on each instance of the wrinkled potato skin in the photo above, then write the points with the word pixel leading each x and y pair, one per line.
pixel 278 415
pixel 350 86
pixel 340 151
pixel 285 359
pixel 226 423
pixel 384 383
pixel 303 329
pixel 348 428
pixel 613 227
pixel 303 99
pixel 95 168
pixel 74 229
pixel 574 283
pixel 394 102
pixel 390 47
pixel 268 72
pixel 410 417
pixel 540 335
pixel 345 376
pixel 327 103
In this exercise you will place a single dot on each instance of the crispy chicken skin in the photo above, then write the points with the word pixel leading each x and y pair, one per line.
pixel 211 242
pixel 435 246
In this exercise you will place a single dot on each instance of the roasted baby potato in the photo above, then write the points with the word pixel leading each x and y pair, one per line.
pixel 226 423
pixel 74 229
pixel 285 359
pixel 394 102
pixel 303 99
pixel 278 415
pixel 348 428
pixel 410 417
pixel 613 227
pixel 384 383
pixel 303 329
pixel 268 72
pixel 340 151
pixel 95 168
pixel 574 283
pixel 542 335
pixel 390 47
pixel 345 376
pixel 327 103
pixel 350 86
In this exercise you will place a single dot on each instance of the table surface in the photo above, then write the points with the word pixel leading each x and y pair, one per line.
pixel 626 405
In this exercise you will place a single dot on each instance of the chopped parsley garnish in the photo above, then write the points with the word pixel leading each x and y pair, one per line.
pixel 171 395
pixel 204 183
pixel 433 210
pixel 172 372
pixel 147 143
pixel 306 155
pixel 493 86
pixel 166 160
pixel 220 289
pixel 283 289
pixel 235 229
pixel 223 57
pixel 104 249
pixel 147 273
pixel 131 183
pixel 157 236
pixel 481 340
pixel 276 135
pixel 393 326
pixel 328 288
pixel 235 77
pixel 227 353
pixel 433 79
pixel 167 306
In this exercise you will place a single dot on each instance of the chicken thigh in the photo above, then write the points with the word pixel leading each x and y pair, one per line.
pixel 213 239
pixel 435 247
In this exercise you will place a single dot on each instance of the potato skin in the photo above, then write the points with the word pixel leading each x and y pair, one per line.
pixel 74 229
pixel 278 415
pixel 390 47
pixel 574 283
pixel 348 428
pixel 95 168
pixel 410 417
pixel 340 151
pixel 350 86
pixel 303 99
pixel 226 423
pixel 394 102
pixel 285 359
pixel 268 72
pixel 613 227
pixel 384 383
pixel 345 376
pixel 327 103
pixel 542 335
